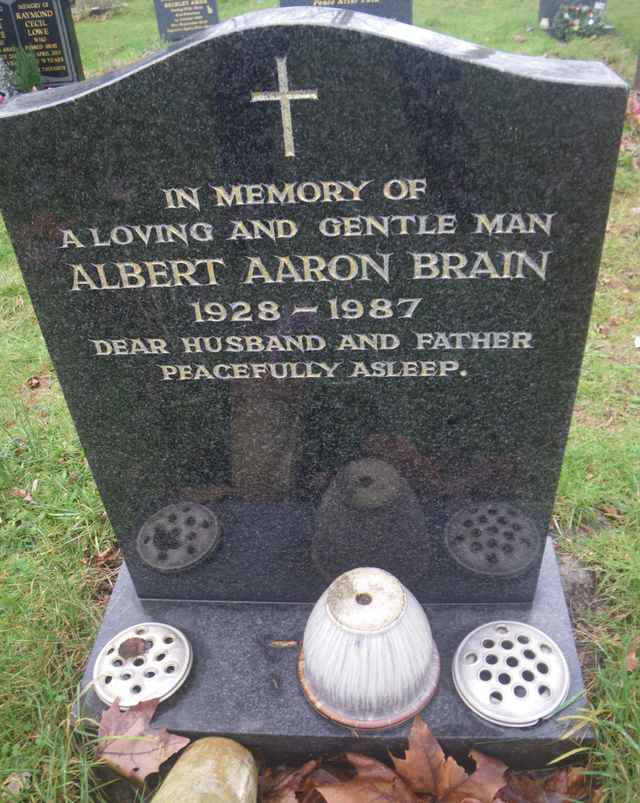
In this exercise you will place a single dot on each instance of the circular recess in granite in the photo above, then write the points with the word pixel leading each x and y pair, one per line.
pixel 492 538
pixel 147 661
pixel 178 536
pixel 520 680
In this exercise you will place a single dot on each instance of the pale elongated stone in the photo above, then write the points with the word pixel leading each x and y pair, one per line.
pixel 212 770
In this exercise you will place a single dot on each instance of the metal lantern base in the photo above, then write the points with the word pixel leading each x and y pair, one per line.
pixel 244 680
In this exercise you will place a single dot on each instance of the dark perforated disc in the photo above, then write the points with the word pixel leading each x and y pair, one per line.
pixel 492 538
pixel 178 536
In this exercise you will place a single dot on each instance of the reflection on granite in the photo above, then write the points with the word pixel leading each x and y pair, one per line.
pixel 178 536
pixel 370 516
pixel 493 538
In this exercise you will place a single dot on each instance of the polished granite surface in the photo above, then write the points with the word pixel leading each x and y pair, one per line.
pixel 316 285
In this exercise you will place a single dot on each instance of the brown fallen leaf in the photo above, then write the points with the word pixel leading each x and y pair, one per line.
pixel 427 772
pixel 106 555
pixel 287 795
pixel 20 493
pixel 132 647
pixel 611 512
pixel 15 784
pixel 323 776
pixel 280 786
pixel 521 787
pixel 132 748
pixel 424 767
pixel 566 784
pixel 35 388
pixel 519 38
pixel 373 783
pixel 483 783
pixel 40 381
pixel 631 660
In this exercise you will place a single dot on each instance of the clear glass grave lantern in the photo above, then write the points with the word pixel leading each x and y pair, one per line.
pixel 368 658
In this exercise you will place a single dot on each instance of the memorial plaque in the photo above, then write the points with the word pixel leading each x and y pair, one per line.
pixel 332 312
pixel 9 42
pixel 400 10
pixel 46 28
pixel 180 18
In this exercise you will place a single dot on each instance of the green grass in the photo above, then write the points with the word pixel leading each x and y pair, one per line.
pixel 611 629
pixel 625 16
pixel 47 566
pixel 497 23
pixel 598 505
pixel 132 31
pixel 105 45
pixel 54 560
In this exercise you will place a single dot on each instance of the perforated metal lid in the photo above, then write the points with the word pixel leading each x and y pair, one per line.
pixel 144 662
pixel 492 538
pixel 178 536
pixel 511 673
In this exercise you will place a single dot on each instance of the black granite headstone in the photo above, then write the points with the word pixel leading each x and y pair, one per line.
pixel 317 286
pixel 400 10
pixel 329 279
pixel 9 42
pixel 46 28
pixel 180 18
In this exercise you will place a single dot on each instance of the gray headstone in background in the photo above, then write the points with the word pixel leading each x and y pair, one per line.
pixel 549 8
pixel 400 10
pixel 82 9
pixel 180 18
pixel 8 35
pixel 46 28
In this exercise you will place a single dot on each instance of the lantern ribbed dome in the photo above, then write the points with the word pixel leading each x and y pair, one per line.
pixel 368 657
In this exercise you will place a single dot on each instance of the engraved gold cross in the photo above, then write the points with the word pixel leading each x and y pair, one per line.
pixel 284 96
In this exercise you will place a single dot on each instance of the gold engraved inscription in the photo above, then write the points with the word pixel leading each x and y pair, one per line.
pixel 349 312
pixel 284 96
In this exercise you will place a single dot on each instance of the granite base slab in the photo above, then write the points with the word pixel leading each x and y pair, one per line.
pixel 244 687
